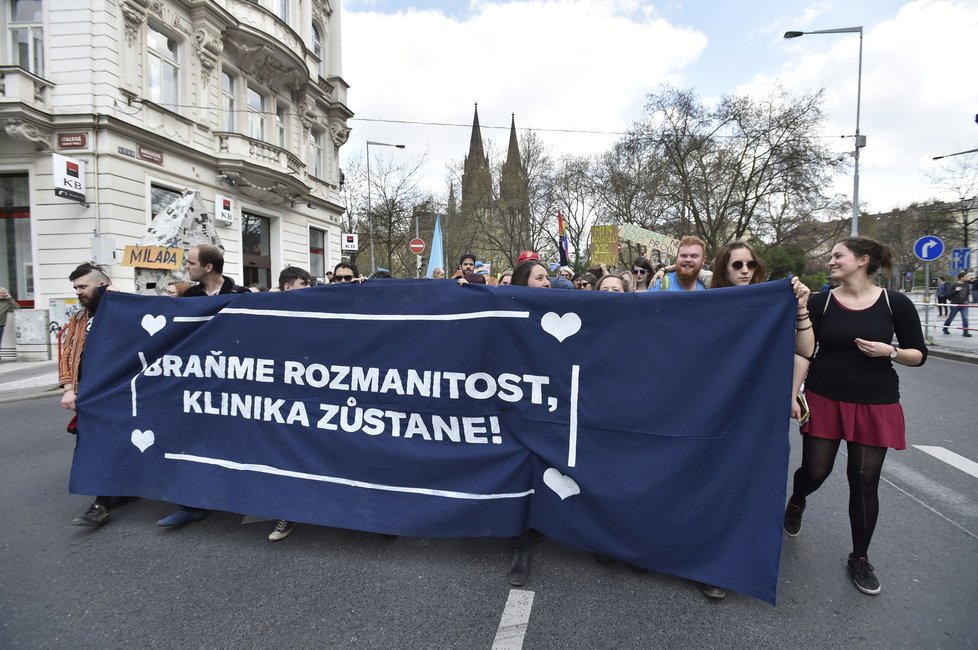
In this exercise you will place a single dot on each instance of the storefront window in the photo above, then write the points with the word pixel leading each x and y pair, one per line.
pixel 317 254
pixel 17 267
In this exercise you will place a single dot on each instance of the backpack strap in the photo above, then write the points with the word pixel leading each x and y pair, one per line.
pixel 886 293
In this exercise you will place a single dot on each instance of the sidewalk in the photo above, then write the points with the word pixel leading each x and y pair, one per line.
pixel 949 346
pixel 28 380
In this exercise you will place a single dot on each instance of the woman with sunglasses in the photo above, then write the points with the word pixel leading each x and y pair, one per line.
pixel 642 271
pixel 853 391
pixel 736 265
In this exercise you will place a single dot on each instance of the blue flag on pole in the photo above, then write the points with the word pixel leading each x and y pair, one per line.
pixel 436 260
pixel 429 409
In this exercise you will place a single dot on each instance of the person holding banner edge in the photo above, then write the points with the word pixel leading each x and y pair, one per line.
pixel 205 266
pixel 853 392
pixel 529 273
pixel 89 283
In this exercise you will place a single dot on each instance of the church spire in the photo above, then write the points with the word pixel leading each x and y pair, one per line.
pixel 476 152
pixel 514 146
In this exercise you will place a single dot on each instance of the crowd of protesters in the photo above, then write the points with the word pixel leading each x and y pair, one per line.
pixel 845 386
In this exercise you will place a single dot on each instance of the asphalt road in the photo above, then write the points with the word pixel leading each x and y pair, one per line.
pixel 220 584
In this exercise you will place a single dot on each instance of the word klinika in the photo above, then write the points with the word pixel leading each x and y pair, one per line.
pixel 349 418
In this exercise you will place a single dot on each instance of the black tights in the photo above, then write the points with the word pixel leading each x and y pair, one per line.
pixel 863 471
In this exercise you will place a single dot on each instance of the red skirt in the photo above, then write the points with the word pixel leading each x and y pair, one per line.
pixel 873 425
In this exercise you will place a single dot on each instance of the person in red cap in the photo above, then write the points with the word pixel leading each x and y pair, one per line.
pixel 527 255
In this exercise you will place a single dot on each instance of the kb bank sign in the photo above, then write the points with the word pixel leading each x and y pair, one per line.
pixel 69 177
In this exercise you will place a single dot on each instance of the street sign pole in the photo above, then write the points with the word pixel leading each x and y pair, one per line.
pixel 927 249
pixel 927 302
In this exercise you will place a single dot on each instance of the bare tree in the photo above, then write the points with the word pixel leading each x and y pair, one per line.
pixel 957 178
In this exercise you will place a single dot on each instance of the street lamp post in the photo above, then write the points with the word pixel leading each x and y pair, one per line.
pixel 370 216
pixel 860 140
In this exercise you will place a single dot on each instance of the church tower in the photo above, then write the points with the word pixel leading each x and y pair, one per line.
pixel 476 178
pixel 514 194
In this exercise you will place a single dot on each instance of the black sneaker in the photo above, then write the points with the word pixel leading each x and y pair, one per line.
pixel 519 569
pixel 862 575
pixel 792 519
pixel 95 516
pixel 282 530
pixel 945 331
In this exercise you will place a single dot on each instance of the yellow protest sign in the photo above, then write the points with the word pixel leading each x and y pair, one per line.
pixel 153 257
pixel 604 245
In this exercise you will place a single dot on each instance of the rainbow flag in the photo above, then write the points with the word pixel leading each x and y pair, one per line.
pixel 563 244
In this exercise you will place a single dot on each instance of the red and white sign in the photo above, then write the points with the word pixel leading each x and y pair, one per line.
pixel 416 246
pixel 69 177
pixel 223 210
pixel 350 242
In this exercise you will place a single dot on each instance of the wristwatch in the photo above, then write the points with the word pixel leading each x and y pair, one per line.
pixel 893 355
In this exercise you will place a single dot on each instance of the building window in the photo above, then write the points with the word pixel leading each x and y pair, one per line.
pixel 160 198
pixel 26 34
pixel 228 101
pixel 317 253
pixel 282 9
pixel 164 68
pixel 315 161
pixel 317 47
pixel 17 268
pixel 256 114
pixel 256 255
pixel 282 125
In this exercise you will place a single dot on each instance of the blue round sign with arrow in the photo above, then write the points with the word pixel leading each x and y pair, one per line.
pixel 928 248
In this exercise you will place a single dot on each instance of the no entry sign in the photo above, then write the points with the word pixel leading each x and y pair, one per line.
pixel 416 246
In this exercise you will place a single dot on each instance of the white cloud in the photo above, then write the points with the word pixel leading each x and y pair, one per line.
pixel 567 64
pixel 919 94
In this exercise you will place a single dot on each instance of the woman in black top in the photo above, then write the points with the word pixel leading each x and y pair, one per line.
pixel 853 390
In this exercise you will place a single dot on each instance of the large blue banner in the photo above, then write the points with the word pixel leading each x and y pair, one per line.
pixel 651 427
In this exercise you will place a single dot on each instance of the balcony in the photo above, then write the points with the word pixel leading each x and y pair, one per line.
pixel 269 51
pixel 18 86
pixel 261 166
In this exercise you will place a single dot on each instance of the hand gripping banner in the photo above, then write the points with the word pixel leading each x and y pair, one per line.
pixel 651 427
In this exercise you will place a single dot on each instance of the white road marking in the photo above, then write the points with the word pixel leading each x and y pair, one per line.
pixel 512 625
pixel 954 460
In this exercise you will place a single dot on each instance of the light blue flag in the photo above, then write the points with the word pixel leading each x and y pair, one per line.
pixel 437 257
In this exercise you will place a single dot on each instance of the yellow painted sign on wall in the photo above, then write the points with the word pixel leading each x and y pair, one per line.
pixel 153 257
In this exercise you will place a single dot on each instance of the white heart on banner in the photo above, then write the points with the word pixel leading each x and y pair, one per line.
pixel 561 327
pixel 153 324
pixel 564 486
pixel 143 439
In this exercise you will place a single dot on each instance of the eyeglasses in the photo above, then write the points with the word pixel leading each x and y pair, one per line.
pixel 751 265
pixel 640 271
pixel 343 278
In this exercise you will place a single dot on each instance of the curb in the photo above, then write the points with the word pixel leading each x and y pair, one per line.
pixel 953 356
pixel 29 394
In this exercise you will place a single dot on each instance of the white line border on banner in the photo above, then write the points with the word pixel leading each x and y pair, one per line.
pixel 325 315
pixel 276 471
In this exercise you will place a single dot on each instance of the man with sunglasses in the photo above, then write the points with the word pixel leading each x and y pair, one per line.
pixel 346 272
pixel 689 263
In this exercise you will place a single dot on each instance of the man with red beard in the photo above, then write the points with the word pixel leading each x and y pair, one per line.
pixel 689 263
pixel 88 282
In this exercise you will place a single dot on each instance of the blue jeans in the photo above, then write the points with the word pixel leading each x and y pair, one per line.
pixel 955 310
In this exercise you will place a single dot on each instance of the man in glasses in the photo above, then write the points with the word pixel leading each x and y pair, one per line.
pixel 346 272
pixel 689 263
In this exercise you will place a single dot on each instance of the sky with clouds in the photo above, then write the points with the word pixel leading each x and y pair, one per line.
pixel 587 65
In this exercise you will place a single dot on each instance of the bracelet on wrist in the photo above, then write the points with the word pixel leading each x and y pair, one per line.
pixel 802 329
